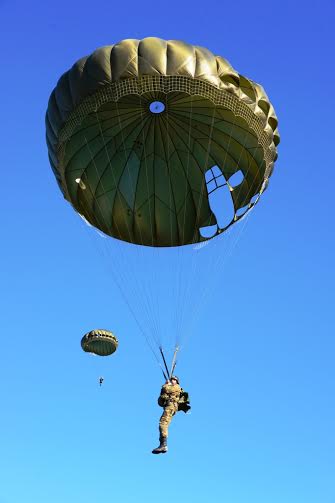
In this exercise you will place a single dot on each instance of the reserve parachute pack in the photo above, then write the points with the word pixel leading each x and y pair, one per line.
pixel 183 402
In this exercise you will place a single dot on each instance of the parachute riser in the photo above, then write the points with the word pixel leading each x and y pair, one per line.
pixel 174 361
pixel 168 374
pixel 165 364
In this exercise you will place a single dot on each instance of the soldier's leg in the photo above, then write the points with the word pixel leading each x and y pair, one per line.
pixel 164 422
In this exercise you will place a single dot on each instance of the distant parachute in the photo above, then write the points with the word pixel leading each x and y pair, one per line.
pixel 134 130
pixel 99 342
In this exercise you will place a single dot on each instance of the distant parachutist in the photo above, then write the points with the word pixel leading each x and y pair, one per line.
pixel 101 380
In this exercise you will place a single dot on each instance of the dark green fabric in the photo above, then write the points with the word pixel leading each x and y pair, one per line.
pixel 139 176
pixel 184 402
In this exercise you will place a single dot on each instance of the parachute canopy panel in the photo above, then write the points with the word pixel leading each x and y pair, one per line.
pixel 99 342
pixel 133 128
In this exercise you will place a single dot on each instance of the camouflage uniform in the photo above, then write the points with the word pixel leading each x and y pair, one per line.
pixel 170 394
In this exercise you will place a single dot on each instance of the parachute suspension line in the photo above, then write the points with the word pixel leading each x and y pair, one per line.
pixel 107 225
pixel 173 312
pixel 142 331
pixel 181 312
pixel 184 289
pixel 169 142
pixel 142 285
pixel 194 262
pixel 150 295
pixel 222 258
pixel 180 292
pixel 218 265
pixel 144 298
pixel 193 268
pixel 243 224
pixel 159 252
pixel 199 304
pixel 168 174
pixel 153 317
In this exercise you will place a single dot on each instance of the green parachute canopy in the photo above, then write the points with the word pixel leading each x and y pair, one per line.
pixel 135 129
pixel 99 342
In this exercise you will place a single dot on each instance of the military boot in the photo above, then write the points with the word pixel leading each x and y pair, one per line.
pixel 162 446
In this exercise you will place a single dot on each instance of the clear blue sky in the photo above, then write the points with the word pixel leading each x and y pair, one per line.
pixel 259 367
